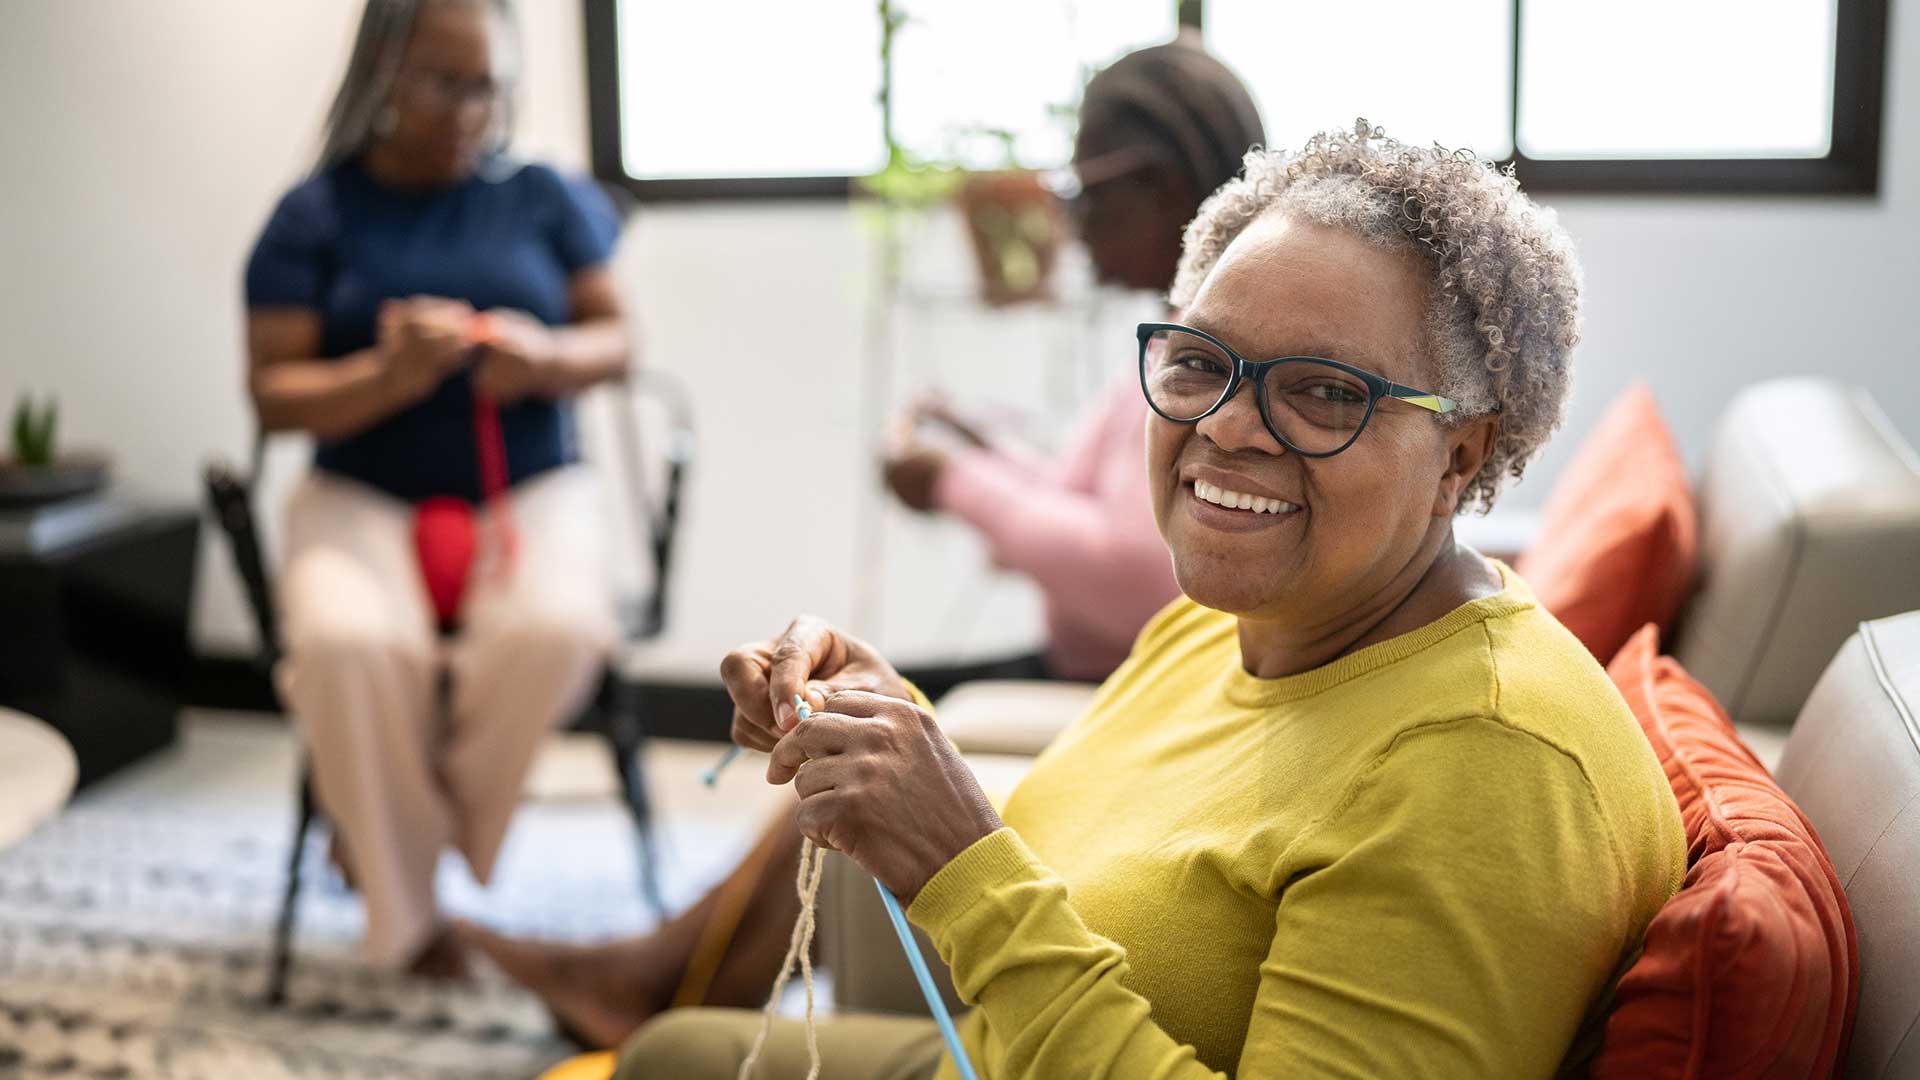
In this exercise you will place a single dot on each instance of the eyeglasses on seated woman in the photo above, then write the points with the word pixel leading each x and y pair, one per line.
pixel 1312 405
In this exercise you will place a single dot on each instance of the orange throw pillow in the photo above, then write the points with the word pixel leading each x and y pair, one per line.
pixel 1751 970
pixel 1618 536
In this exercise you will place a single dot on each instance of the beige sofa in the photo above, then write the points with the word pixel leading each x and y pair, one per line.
pixel 1853 766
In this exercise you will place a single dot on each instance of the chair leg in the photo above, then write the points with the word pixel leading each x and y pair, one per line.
pixel 281 962
pixel 627 743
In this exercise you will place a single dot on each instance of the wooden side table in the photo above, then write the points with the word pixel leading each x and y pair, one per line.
pixel 37 772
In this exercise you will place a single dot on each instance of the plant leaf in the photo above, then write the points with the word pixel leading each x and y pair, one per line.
pixel 49 426
pixel 22 428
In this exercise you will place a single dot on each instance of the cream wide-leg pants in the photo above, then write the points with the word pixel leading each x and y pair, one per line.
pixel 399 780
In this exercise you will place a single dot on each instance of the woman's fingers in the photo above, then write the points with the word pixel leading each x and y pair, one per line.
pixel 863 703
pixel 751 735
pixel 809 647
pixel 763 678
pixel 878 782
pixel 817 775
pixel 744 672
pixel 822 819
pixel 817 737
pixel 819 690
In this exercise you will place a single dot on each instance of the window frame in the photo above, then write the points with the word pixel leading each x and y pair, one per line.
pixel 1850 167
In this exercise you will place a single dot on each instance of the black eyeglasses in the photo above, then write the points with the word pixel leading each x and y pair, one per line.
pixel 1316 407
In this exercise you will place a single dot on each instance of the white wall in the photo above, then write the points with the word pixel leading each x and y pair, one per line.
pixel 144 144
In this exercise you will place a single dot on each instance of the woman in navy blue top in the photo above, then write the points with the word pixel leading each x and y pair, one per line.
pixel 362 295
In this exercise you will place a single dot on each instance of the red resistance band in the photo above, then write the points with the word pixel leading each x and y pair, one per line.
pixel 445 536
pixel 491 448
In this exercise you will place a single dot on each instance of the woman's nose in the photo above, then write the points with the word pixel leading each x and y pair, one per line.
pixel 1237 425
pixel 473 113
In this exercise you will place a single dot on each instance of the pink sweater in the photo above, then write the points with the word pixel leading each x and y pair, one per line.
pixel 1081 527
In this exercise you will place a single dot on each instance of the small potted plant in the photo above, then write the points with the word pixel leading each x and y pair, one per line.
pixel 1014 220
pixel 1017 228
pixel 35 473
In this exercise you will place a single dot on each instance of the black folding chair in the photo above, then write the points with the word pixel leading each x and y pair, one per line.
pixel 616 711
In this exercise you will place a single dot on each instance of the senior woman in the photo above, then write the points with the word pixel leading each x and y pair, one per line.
pixel 362 296
pixel 1355 805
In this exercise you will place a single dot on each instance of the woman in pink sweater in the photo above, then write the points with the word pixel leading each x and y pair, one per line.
pixel 1159 130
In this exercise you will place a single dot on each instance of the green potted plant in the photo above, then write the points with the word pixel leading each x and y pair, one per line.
pixel 1016 225
pixel 34 471
pixel 1014 221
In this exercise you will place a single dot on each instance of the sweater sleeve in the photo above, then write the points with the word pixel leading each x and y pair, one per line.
pixel 585 225
pixel 293 256
pixel 1409 942
pixel 1074 543
pixel 1099 434
pixel 1053 991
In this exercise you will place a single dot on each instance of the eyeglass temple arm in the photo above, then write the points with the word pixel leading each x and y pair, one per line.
pixel 1421 398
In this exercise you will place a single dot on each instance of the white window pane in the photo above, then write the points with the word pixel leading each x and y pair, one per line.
pixel 762 88
pixel 1427 71
pixel 965 67
pixel 1676 78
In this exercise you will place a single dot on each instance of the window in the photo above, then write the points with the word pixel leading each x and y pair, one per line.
pixel 1719 79
pixel 1629 95
pixel 1429 71
pixel 790 104
pixel 793 97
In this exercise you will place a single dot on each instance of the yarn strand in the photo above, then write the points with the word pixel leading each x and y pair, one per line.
pixel 808 920
pixel 807 886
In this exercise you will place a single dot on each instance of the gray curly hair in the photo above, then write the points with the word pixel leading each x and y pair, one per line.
pixel 1505 315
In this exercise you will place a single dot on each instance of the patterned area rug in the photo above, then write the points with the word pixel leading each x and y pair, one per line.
pixel 134 930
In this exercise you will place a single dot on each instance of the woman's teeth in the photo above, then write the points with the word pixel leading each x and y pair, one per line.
pixel 1235 500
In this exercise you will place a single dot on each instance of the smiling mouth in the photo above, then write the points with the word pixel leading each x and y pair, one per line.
pixel 1239 500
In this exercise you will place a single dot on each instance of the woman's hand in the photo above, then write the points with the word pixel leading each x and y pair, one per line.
pixel 911 468
pixel 421 340
pixel 880 783
pixel 516 358
pixel 912 473
pixel 811 660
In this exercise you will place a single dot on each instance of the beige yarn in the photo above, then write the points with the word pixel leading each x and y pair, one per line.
pixel 813 860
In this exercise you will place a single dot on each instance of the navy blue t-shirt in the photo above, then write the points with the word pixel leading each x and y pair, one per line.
pixel 511 236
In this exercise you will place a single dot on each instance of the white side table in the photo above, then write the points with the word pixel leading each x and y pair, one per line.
pixel 37 771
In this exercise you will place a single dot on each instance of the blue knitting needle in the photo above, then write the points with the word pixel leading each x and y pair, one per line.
pixel 935 1003
pixel 712 775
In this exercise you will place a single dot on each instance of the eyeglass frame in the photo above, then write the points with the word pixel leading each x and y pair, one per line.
pixel 1256 371
pixel 1073 185
pixel 451 93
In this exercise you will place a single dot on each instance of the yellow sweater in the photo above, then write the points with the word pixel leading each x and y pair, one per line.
pixel 1431 857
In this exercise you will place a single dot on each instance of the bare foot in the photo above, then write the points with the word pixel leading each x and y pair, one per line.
pixel 337 855
pixel 442 958
pixel 598 994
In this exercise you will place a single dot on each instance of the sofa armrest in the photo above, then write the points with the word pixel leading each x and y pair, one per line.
pixel 1852 766
pixel 1810 524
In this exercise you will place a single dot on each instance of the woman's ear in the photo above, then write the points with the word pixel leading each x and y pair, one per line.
pixel 1468 448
